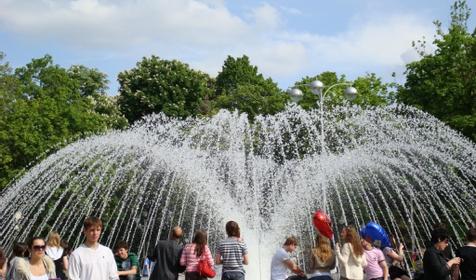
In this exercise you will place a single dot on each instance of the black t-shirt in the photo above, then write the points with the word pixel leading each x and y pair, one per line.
pixel 468 265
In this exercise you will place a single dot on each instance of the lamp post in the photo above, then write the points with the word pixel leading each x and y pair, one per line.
pixel 317 88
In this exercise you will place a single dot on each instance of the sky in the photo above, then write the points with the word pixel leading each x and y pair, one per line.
pixel 287 40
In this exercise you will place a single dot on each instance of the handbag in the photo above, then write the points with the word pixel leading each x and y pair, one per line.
pixel 455 272
pixel 205 270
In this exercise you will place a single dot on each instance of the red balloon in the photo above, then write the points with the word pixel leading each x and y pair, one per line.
pixel 322 222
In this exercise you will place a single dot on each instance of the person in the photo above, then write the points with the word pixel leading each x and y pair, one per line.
pixel 3 264
pixel 127 262
pixel 38 267
pixel 65 259
pixel 20 250
pixel 193 253
pixel 323 259
pixel 393 260
pixel 435 265
pixel 147 266
pixel 376 268
pixel 351 256
pixel 232 253
pixel 55 251
pixel 166 256
pixel 281 262
pixel 467 254
pixel 92 260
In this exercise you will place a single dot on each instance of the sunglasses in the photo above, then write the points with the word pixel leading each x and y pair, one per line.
pixel 39 247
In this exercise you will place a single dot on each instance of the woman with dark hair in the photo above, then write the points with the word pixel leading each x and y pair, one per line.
pixel 467 254
pixel 351 257
pixel 435 265
pixel 232 253
pixel 20 250
pixel 38 266
pixel 323 259
pixel 194 252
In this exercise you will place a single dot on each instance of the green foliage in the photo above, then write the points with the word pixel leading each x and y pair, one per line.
pixel 444 83
pixel 239 86
pixel 167 86
pixel 371 90
pixel 43 105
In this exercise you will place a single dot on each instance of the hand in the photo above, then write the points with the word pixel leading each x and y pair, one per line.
pixel 401 247
pixel 454 261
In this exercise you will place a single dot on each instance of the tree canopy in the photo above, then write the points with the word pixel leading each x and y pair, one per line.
pixel 156 85
pixel 443 83
pixel 240 86
pixel 44 105
pixel 371 90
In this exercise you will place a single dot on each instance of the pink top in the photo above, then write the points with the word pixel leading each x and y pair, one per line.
pixel 190 260
pixel 373 269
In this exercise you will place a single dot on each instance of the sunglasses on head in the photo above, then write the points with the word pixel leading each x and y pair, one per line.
pixel 39 247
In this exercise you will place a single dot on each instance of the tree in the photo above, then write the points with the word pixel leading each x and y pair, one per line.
pixel 44 106
pixel 240 86
pixel 443 83
pixel 167 86
pixel 371 90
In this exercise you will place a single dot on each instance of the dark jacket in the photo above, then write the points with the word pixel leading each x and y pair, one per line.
pixel 167 260
pixel 434 265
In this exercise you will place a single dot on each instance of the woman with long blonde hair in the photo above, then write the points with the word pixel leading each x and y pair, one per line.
pixel 323 259
pixel 56 252
pixel 351 256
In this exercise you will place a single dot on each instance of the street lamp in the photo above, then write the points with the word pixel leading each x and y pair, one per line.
pixel 317 89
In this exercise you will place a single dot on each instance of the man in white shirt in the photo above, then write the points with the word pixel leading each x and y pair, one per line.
pixel 282 262
pixel 92 260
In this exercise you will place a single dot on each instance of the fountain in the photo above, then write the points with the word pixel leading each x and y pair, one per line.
pixel 394 165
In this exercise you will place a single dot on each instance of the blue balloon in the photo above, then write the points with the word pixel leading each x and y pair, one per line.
pixel 377 234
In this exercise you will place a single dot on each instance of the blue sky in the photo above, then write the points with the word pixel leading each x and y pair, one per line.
pixel 287 40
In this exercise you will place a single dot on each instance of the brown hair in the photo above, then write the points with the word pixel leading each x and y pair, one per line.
pixel 32 240
pixel 291 240
pixel 323 250
pixel 353 238
pixel 121 245
pixel 471 235
pixel 20 249
pixel 176 233
pixel 92 222
pixel 200 241
pixel 3 258
pixel 232 229
pixel 54 239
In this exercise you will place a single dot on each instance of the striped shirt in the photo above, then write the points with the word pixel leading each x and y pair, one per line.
pixel 232 251
pixel 190 260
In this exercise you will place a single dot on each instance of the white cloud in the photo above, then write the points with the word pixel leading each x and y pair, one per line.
pixel 367 44
pixel 266 17
pixel 116 24
pixel 203 32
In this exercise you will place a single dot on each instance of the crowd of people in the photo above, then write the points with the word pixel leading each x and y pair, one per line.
pixel 356 258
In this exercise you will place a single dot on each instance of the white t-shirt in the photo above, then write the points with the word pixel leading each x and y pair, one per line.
pixel 279 271
pixel 42 277
pixel 86 264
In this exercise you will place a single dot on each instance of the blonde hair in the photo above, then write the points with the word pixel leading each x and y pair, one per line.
pixel 323 250
pixel 353 238
pixel 54 239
